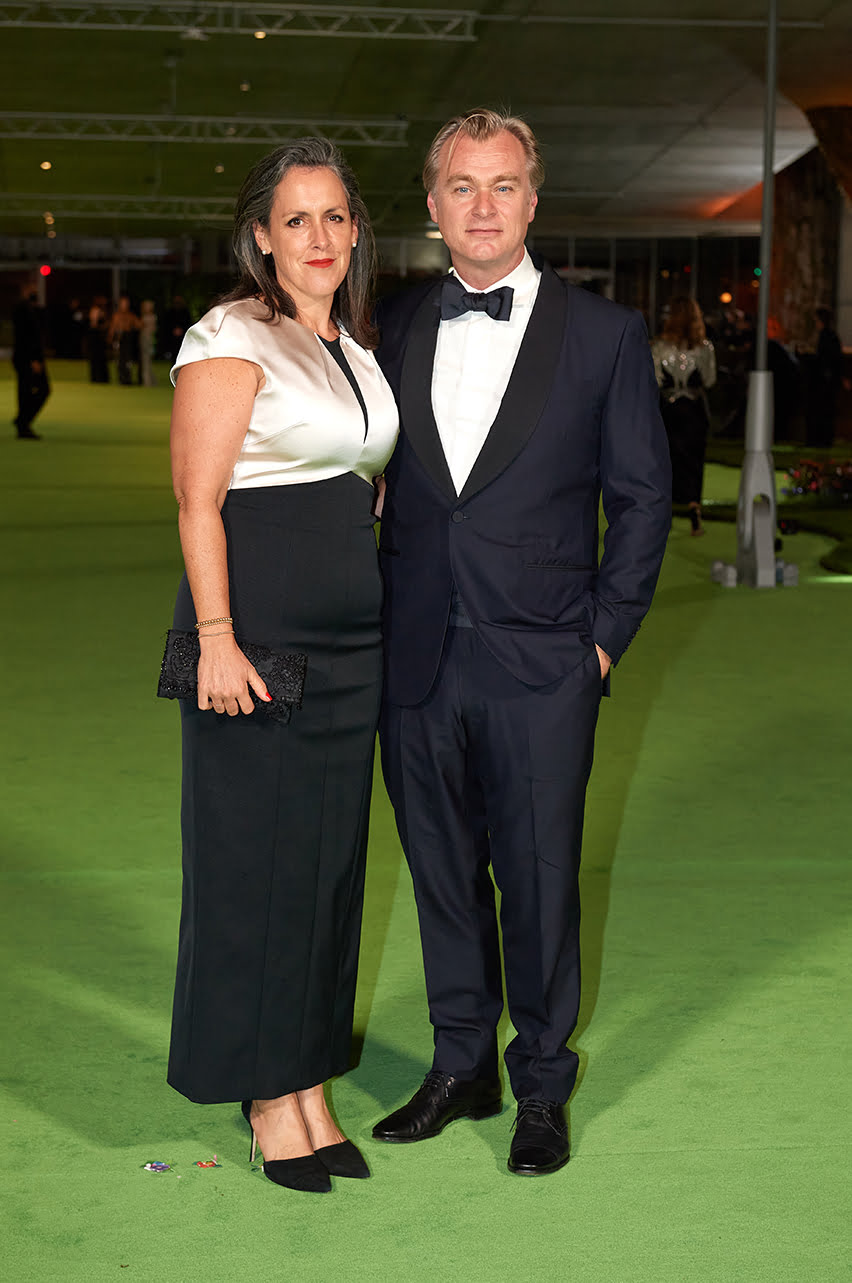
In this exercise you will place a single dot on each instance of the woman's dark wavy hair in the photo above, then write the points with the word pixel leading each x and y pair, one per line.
pixel 353 298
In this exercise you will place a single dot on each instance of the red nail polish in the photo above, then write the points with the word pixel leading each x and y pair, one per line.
pixel 269 697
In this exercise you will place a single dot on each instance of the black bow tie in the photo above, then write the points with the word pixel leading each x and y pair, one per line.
pixel 457 301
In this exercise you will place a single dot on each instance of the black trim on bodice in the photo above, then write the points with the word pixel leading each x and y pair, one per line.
pixel 334 347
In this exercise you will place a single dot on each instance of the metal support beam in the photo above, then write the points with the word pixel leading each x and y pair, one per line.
pixel 192 209
pixel 126 127
pixel 202 19
pixel 756 566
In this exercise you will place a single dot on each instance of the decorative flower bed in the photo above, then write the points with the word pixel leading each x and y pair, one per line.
pixel 827 482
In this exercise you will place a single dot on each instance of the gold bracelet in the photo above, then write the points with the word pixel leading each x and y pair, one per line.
pixel 226 632
pixel 220 619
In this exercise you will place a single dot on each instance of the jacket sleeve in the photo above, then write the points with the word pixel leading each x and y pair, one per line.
pixel 636 492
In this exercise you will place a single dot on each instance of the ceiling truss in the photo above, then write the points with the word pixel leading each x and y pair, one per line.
pixel 197 209
pixel 202 19
pixel 205 18
pixel 83 127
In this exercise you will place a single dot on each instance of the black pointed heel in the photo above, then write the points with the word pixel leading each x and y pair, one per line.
pixel 307 1174
pixel 343 1159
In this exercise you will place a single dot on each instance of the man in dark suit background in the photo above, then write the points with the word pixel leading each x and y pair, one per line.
pixel 28 360
pixel 522 400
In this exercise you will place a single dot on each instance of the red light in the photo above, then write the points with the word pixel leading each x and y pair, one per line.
pixel 44 270
pixel 688 268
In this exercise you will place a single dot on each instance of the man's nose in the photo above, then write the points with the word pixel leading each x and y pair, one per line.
pixel 484 203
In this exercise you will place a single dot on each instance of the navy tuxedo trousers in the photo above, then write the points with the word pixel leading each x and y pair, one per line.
pixel 490 771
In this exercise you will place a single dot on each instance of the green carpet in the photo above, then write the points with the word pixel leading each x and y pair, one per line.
pixel 711 1126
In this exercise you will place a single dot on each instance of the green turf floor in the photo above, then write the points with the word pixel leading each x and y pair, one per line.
pixel 711 1127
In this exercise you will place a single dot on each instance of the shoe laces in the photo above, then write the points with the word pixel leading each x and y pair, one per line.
pixel 437 1079
pixel 540 1110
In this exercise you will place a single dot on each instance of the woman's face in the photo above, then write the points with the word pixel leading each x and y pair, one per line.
pixel 310 234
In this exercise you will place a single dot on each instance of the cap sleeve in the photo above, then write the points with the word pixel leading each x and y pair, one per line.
pixel 224 331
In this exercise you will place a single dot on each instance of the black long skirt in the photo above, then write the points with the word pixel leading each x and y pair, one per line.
pixel 274 817
pixel 686 427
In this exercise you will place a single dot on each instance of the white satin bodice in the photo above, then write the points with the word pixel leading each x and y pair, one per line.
pixel 306 424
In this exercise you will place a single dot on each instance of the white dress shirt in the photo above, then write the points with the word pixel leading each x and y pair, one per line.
pixel 474 359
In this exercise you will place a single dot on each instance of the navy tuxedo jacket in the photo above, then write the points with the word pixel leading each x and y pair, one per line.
pixel 579 420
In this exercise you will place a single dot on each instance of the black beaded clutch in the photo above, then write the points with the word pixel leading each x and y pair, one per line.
pixel 282 670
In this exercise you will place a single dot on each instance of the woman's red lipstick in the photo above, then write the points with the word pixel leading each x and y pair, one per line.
pixel 320 262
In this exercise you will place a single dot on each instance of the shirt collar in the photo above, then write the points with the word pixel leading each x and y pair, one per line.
pixel 523 279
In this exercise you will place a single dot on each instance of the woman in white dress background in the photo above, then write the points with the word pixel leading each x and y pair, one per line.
pixel 685 365
pixel 282 420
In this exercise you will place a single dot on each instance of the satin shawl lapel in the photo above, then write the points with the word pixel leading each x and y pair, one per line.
pixel 415 396
pixel 529 387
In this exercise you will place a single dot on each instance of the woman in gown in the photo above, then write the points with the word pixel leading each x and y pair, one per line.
pixel 281 421
pixel 685 365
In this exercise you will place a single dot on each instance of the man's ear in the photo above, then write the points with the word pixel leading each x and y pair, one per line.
pixel 533 203
pixel 432 207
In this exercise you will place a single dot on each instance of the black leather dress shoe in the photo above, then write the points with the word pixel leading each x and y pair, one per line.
pixel 540 1143
pixel 440 1100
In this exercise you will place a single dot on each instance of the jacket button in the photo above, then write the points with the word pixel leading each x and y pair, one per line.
pixel 458 516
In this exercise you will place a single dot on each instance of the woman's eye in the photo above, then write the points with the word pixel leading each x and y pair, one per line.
pixel 294 222
pixel 336 218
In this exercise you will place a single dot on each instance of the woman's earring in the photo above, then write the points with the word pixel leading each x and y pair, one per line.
pixel 354 243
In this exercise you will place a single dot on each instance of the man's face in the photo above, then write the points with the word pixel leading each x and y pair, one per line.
pixel 483 204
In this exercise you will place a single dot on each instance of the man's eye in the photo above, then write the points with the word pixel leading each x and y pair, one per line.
pixel 336 218
pixel 462 190
pixel 294 222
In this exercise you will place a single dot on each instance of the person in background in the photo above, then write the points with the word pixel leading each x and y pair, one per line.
pixel 96 341
pixel 78 318
pixel 124 330
pixel 147 338
pixel 176 322
pixel 783 365
pixel 685 366
pixel 825 381
pixel 28 361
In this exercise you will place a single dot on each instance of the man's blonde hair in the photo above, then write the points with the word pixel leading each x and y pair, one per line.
pixel 482 124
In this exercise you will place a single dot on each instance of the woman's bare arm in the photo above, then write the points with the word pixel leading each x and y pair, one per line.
pixel 211 412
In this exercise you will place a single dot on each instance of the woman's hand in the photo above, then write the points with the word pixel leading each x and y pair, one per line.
pixel 379 500
pixel 225 675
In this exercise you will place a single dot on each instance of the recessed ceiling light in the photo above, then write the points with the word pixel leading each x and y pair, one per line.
pixel 260 35
pixel 220 169
pixel 245 86
pixel 49 219
pixel 45 164
pixel 51 234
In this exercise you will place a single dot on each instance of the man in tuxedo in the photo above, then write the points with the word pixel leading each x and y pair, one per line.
pixel 523 400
